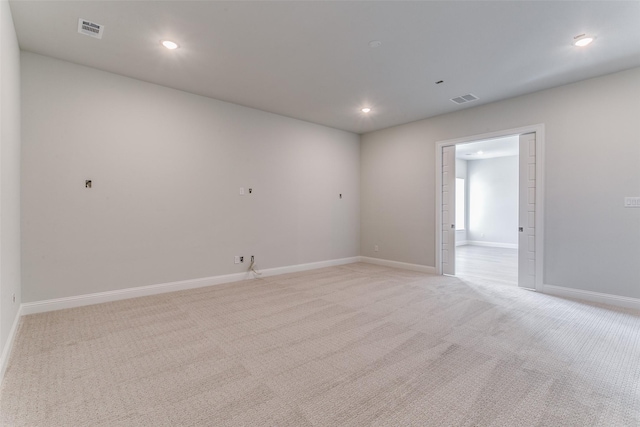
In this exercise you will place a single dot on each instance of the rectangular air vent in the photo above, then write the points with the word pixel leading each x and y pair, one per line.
pixel 89 28
pixel 464 98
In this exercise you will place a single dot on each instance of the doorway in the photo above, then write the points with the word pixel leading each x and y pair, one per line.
pixel 486 209
pixel 491 226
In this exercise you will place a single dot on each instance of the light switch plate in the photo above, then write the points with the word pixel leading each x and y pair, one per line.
pixel 632 202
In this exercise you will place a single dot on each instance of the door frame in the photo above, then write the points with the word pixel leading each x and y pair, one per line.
pixel 538 129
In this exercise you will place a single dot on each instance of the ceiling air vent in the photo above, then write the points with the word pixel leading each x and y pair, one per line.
pixel 89 28
pixel 464 98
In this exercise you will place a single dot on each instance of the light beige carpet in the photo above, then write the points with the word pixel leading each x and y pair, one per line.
pixel 357 345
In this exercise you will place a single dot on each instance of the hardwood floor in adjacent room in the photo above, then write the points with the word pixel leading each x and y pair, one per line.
pixel 354 345
pixel 497 264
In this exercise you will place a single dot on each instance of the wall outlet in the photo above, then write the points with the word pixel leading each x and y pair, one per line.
pixel 375 248
pixel 236 259
pixel 242 191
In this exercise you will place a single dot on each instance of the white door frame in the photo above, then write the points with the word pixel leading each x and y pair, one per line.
pixel 539 218
pixel 448 211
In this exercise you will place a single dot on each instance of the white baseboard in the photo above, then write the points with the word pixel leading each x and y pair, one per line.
pixel 8 345
pixel 462 242
pixel 101 297
pixel 619 301
pixel 397 264
pixel 492 244
pixel 311 266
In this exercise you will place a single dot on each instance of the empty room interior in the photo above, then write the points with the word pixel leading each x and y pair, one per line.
pixel 351 213
pixel 486 209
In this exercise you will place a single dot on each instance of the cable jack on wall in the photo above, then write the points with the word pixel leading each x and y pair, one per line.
pixel 252 267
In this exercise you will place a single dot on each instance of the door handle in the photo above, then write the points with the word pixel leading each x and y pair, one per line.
pixel 453 226
pixel 521 229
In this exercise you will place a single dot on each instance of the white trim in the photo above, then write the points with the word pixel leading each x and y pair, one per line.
pixel 398 264
pixel 539 239
pixel 492 244
pixel 102 297
pixel 461 243
pixel 610 299
pixel 311 266
pixel 539 130
pixel 8 345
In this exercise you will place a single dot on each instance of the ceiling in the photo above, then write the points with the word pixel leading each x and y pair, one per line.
pixel 489 148
pixel 312 60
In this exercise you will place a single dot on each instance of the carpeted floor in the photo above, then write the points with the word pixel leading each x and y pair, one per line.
pixel 356 345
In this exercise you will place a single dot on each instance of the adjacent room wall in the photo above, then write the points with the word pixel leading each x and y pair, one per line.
pixel 9 177
pixel 461 172
pixel 166 167
pixel 592 162
pixel 493 201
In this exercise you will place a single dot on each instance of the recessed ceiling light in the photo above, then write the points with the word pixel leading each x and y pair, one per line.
pixel 375 43
pixel 169 44
pixel 366 110
pixel 583 40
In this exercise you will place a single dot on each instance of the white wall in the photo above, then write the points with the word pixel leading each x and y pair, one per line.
pixel 461 168
pixel 461 172
pixel 592 162
pixel 166 169
pixel 9 176
pixel 493 200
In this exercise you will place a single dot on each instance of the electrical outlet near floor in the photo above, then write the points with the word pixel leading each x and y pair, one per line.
pixel 375 248
pixel 236 259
